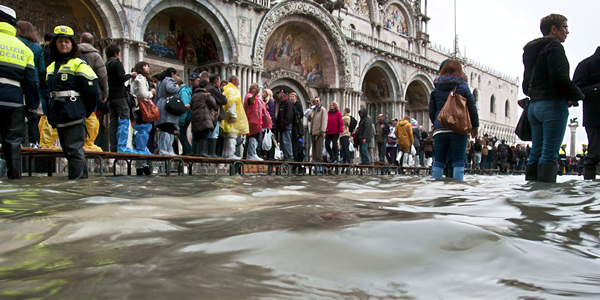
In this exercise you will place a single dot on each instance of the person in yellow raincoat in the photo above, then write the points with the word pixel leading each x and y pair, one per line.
pixel 236 123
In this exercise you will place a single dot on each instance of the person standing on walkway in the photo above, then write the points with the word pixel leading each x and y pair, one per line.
pixel 285 121
pixel 119 110
pixel 17 79
pixel 74 92
pixel 318 122
pixel 335 127
pixel 27 34
pixel 382 130
pixel 185 95
pixel 587 78
pixel 365 134
pixel 94 59
pixel 546 81
pixel 236 123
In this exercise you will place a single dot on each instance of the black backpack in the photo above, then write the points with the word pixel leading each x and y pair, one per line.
pixel 353 123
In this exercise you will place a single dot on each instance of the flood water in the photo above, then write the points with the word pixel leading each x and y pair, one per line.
pixel 299 237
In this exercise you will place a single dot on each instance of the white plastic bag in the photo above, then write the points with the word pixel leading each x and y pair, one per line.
pixel 413 151
pixel 267 142
pixel 231 112
pixel 278 154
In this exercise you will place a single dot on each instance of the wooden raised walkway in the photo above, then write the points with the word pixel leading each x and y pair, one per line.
pixel 235 166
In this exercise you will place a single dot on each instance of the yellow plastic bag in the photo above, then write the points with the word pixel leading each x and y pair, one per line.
pixel 48 135
pixel 92 126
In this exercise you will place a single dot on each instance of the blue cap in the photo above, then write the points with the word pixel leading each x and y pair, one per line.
pixel 194 76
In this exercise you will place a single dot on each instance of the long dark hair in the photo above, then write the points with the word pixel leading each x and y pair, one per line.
pixel 139 68
pixel 56 56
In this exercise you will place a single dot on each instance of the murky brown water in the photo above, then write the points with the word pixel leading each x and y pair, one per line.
pixel 382 237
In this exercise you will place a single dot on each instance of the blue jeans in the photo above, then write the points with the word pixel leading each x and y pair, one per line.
pixel 215 133
pixel 364 154
pixel 548 119
pixel 286 137
pixel 454 143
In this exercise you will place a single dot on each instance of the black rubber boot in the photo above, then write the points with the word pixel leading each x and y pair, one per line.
pixel 547 173
pixel 201 144
pixel 531 172
pixel 589 172
pixel 211 146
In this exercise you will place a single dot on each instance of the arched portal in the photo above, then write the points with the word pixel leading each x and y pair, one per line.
pixel 179 36
pixel 189 36
pixel 303 34
pixel 81 15
pixel 378 93
pixel 417 103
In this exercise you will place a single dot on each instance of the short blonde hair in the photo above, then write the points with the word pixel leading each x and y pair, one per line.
pixel 294 94
pixel 335 105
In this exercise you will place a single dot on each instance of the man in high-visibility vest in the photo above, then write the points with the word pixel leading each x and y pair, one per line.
pixel 17 79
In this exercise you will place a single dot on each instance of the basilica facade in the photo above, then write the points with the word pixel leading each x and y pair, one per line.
pixel 359 53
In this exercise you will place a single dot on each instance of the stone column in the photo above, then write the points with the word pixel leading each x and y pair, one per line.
pixel 573 126
pixel 125 55
pixel 141 47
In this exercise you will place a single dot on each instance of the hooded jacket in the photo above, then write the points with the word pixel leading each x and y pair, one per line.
pixel 404 134
pixel 238 125
pixel 443 86
pixel 365 126
pixel 546 75
pixel 587 78
pixel 94 60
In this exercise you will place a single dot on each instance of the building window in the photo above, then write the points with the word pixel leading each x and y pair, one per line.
pixel 507 109
pixel 493 104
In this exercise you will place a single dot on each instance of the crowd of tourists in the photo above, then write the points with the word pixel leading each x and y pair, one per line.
pixel 205 115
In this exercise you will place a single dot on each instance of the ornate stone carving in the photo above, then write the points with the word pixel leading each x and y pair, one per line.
pixel 244 29
pixel 315 13
pixel 356 64
pixel 273 76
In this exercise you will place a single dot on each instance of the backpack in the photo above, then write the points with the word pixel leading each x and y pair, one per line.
pixel 353 124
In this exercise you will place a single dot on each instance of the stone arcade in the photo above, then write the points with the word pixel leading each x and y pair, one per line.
pixel 371 53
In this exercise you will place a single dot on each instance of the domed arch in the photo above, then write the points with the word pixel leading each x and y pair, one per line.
pixel 314 20
pixel 417 99
pixel 391 76
pixel 205 11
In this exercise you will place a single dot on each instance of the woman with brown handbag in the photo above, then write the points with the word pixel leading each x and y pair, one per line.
pixel 449 144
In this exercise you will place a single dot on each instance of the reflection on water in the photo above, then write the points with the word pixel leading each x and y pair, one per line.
pixel 492 237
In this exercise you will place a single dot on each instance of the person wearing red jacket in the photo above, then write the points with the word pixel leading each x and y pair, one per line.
pixel 335 127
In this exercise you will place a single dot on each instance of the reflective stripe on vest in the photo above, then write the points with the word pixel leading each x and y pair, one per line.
pixel 10 81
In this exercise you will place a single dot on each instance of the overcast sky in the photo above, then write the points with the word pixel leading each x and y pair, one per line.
pixel 495 31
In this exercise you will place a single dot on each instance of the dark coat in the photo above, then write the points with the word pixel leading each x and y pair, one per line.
pixel 285 117
pixel 365 127
pixel 550 80
pixel 116 79
pixel 203 105
pixel 220 99
pixel 298 127
pixel 443 86
pixel 381 134
pixel 587 78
